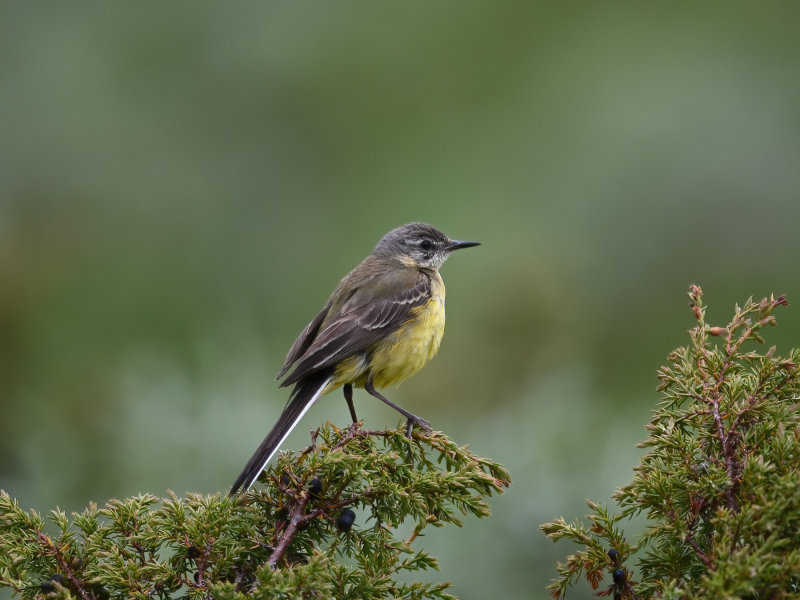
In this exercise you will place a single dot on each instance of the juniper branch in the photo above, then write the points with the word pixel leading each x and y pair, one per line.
pixel 720 483
pixel 279 538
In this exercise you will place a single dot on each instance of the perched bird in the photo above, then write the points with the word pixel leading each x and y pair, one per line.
pixel 382 323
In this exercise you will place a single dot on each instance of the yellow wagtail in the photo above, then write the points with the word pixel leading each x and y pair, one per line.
pixel 382 323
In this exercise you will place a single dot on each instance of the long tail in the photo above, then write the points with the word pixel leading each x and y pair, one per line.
pixel 305 393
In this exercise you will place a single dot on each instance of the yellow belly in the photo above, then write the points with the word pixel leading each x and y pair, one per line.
pixel 410 347
pixel 401 354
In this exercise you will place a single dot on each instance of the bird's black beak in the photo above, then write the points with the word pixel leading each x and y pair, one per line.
pixel 458 244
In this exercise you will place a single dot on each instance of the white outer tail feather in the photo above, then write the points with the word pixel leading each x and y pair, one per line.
pixel 248 484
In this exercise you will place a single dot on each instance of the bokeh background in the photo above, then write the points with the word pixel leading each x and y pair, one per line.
pixel 182 184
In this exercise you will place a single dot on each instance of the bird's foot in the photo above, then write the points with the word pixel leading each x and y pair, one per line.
pixel 419 422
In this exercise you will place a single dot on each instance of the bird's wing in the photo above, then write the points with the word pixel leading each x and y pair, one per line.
pixel 304 340
pixel 374 307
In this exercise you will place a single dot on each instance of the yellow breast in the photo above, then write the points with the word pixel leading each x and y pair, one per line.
pixel 399 356
pixel 410 347
pixel 403 352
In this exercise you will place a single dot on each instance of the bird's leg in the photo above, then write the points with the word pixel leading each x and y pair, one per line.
pixel 412 418
pixel 348 396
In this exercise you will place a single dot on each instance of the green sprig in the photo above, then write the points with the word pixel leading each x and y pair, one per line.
pixel 720 482
pixel 281 539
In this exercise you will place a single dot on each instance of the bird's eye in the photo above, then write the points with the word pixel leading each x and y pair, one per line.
pixel 426 245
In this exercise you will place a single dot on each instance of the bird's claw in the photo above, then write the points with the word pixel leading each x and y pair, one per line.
pixel 419 422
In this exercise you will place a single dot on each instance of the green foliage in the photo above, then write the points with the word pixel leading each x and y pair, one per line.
pixel 284 539
pixel 720 483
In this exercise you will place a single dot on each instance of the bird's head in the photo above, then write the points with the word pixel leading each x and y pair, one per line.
pixel 419 245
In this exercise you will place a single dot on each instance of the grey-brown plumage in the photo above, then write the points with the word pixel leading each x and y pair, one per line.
pixel 375 305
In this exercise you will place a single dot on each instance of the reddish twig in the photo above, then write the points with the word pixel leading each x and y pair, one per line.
pixel 64 566
pixel 296 519
pixel 689 539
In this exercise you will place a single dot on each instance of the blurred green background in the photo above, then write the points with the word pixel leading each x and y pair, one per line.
pixel 182 185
